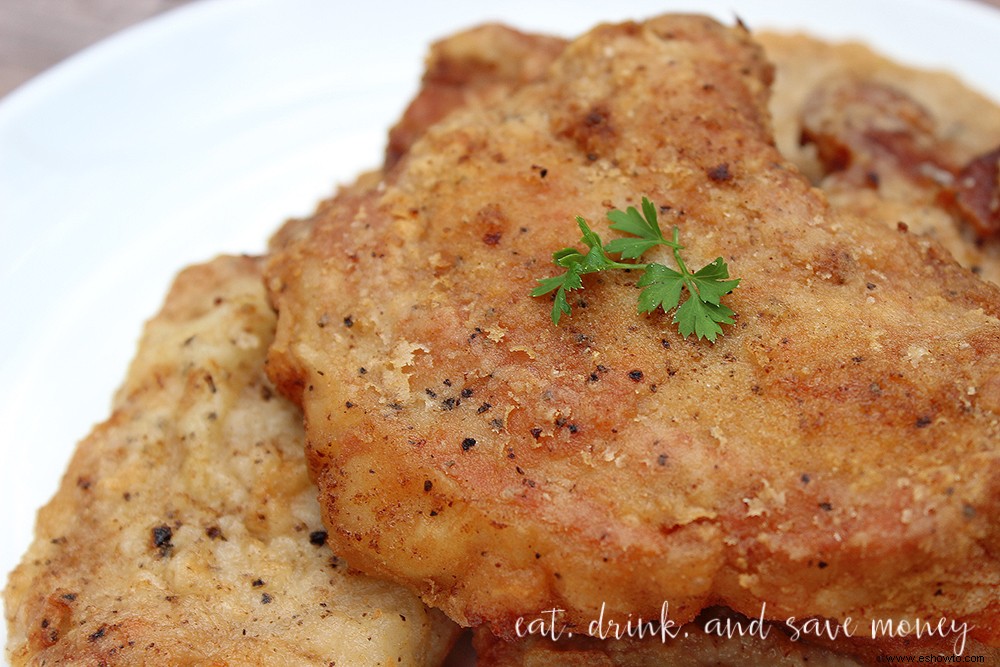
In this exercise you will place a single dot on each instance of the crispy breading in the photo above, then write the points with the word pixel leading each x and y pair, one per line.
pixel 835 454
pixel 473 67
pixel 186 529
pixel 891 142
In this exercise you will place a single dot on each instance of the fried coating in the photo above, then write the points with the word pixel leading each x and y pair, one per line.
pixel 890 142
pixel 834 455
pixel 186 530
pixel 473 67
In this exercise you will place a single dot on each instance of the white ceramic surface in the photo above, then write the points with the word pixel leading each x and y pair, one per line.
pixel 200 131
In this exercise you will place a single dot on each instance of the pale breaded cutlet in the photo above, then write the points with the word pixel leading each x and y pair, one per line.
pixel 186 529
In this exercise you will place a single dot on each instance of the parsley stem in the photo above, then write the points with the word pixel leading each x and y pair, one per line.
pixel 677 255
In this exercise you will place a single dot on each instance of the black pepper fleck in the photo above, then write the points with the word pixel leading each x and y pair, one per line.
pixel 428 485
pixel 635 375
pixel 720 173
pixel 318 538
pixel 161 536
pixel 483 408
pixel 266 598
pixel 468 444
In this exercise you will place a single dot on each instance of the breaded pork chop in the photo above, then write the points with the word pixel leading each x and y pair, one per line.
pixel 477 66
pixel 891 142
pixel 186 530
pixel 834 455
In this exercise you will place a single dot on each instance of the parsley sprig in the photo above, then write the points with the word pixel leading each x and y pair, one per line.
pixel 700 314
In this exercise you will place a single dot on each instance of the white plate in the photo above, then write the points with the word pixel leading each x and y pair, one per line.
pixel 200 131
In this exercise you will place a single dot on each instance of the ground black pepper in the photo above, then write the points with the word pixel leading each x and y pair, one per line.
pixel 161 536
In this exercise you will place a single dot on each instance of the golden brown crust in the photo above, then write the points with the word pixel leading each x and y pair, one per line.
pixel 891 143
pixel 473 67
pixel 835 454
pixel 186 529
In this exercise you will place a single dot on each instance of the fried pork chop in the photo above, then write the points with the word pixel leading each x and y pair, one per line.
pixel 835 454
pixel 892 143
pixel 186 530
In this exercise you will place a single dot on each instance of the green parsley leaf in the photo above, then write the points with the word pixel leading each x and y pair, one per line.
pixel 700 314
pixel 663 288
pixel 576 264
pixel 702 318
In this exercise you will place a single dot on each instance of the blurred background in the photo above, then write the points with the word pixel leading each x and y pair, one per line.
pixel 36 34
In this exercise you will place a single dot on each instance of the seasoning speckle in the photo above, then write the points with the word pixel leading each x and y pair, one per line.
pixel 161 536
pixel 720 173
pixel 468 444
